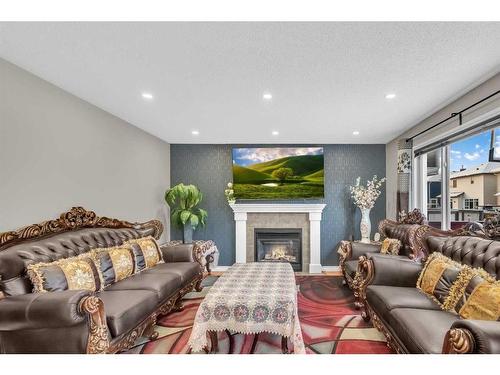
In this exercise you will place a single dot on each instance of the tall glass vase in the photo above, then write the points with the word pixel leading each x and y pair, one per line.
pixel 187 233
pixel 365 226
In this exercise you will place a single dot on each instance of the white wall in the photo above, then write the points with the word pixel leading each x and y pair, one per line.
pixel 481 91
pixel 58 151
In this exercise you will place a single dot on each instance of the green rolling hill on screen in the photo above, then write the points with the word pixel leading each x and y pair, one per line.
pixel 256 181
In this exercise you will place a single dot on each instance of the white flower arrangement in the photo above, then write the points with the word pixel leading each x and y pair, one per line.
pixel 229 193
pixel 365 196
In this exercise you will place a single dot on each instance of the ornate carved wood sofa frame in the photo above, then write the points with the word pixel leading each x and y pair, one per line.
pixel 406 229
pixel 76 321
pixel 412 322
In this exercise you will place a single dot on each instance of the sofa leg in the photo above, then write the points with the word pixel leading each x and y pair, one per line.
pixel 358 305
pixel 150 332
pixel 178 306
pixel 209 258
pixel 198 286
pixel 364 313
pixel 153 336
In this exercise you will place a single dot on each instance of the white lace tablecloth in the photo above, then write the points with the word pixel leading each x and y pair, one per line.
pixel 251 298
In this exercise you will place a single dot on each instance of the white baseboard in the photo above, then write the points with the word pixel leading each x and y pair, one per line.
pixel 315 268
pixel 331 268
pixel 324 268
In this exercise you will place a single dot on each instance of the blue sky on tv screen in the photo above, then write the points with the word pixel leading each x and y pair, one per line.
pixel 248 156
pixel 470 152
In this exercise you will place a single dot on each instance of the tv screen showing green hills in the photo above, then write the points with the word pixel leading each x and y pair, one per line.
pixel 278 172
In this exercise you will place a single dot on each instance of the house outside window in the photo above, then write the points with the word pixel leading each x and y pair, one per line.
pixel 461 172
pixel 471 204
pixel 434 203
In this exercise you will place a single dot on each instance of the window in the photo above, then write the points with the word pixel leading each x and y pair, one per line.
pixel 471 204
pixel 470 178
pixel 475 176
pixel 433 172
pixel 434 203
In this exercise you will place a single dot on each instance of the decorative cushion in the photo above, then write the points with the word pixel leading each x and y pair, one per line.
pixel 476 295
pixel 73 273
pixel 139 260
pixel 115 263
pixel 438 277
pixel 390 246
pixel 150 250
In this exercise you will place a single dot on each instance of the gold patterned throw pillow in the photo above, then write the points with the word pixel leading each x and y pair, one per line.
pixel 390 246
pixel 438 277
pixel 475 295
pixel 115 263
pixel 150 250
pixel 76 273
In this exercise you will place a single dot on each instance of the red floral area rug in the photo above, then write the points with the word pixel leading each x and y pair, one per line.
pixel 330 325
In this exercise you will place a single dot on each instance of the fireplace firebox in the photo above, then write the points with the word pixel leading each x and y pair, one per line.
pixel 279 245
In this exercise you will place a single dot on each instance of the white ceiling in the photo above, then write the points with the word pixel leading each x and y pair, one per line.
pixel 327 79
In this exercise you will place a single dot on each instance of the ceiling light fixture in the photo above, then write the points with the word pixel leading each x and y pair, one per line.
pixel 267 96
pixel 195 132
pixel 355 132
pixel 147 95
pixel 275 132
pixel 390 96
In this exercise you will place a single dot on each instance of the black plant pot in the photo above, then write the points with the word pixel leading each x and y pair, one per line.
pixel 187 234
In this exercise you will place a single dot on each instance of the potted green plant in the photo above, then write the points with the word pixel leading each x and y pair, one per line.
pixel 183 201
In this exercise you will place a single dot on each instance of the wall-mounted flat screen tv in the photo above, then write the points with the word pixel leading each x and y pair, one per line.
pixel 278 172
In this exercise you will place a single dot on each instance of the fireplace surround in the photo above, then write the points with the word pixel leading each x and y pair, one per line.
pixel 279 245
pixel 308 214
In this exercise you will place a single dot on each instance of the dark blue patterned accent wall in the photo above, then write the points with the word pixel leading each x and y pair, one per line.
pixel 209 167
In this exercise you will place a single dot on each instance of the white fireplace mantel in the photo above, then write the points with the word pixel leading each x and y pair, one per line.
pixel 314 210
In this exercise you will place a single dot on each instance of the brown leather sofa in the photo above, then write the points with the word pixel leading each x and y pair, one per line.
pixel 76 321
pixel 414 323
pixel 349 256
pixel 404 230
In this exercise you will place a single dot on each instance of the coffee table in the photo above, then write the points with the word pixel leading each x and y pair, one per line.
pixel 250 298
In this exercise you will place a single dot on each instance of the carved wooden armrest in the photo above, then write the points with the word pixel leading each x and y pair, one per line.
pixel 458 341
pixel 384 224
pixel 417 238
pixel 98 341
pixel 33 318
pixel 198 255
pixel 349 250
pixel 345 252
pixel 364 275
pixel 473 336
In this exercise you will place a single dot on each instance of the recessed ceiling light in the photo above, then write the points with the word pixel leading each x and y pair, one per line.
pixel 390 96
pixel 195 132
pixel 275 132
pixel 267 96
pixel 147 95
pixel 355 132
